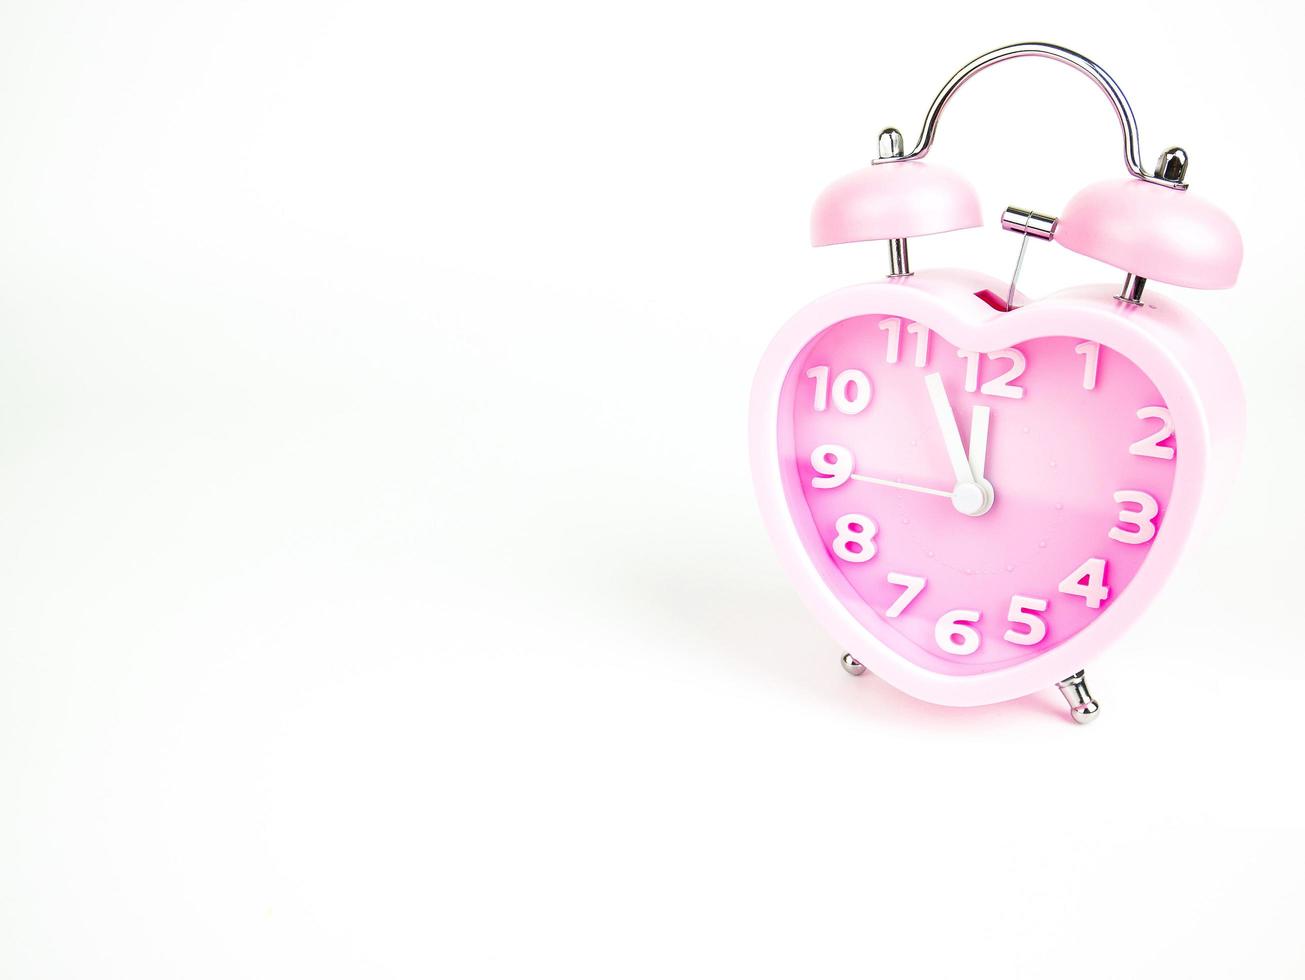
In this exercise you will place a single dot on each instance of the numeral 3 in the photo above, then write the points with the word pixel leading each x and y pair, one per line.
pixel 1142 519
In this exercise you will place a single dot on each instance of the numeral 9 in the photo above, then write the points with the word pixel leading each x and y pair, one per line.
pixel 833 466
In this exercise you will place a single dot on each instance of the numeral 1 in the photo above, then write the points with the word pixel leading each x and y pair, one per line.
pixel 1091 352
pixel 971 368
pixel 921 343
pixel 894 327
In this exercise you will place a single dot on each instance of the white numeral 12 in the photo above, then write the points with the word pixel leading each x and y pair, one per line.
pixel 1000 386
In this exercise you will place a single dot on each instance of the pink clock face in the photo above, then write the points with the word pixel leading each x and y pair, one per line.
pixel 986 506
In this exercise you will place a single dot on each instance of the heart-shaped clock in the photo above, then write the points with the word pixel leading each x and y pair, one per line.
pixel 975 493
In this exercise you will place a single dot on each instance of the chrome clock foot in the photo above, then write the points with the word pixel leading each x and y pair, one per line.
pixel 1083 707
pixel 852 665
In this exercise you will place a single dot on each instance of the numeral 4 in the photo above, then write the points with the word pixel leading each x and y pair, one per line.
pixel 855 540
pixel 1023 610
pixel 1150 446
pixel 999 386
pixel 1142 519
pixel 1088 581
pixel 850 392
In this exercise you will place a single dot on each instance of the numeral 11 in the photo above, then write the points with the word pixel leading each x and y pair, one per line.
pixel 894 327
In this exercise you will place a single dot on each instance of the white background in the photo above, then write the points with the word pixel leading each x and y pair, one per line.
pixel 383 592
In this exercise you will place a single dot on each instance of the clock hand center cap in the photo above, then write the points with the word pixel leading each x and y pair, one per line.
pixel 972 499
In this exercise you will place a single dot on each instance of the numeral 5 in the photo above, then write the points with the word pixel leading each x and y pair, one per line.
pixel 1023 610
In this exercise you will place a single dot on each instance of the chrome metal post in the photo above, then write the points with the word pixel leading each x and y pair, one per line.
pixel 1132 291
pixel 852 665
pixel 899 260
pixel 1083 707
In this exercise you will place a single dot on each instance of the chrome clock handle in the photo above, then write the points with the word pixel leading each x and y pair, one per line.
pixel 1170 171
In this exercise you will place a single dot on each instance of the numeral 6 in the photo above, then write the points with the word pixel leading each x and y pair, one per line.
pixel 955 632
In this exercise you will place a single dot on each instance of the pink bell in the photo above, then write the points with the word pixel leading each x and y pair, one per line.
pixel 891 201
pixel 1153 232
pixel 900 200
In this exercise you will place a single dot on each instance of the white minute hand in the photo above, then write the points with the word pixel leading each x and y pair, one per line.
pixel 969 497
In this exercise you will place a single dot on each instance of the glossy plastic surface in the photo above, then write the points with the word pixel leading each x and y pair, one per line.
pixel 1158 351
pixel 1155 232
pixel 893 200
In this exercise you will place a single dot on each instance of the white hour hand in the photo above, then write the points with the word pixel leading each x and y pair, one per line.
pixel 979 441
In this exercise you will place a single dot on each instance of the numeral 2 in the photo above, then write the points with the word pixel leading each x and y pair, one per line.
pixel 1150 446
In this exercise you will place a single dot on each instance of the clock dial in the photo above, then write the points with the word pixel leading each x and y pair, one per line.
pixel 986 505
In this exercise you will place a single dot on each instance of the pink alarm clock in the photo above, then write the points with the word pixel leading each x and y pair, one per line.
pixel 975 492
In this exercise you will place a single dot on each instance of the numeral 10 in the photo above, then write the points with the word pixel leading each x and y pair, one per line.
pixel 850 392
